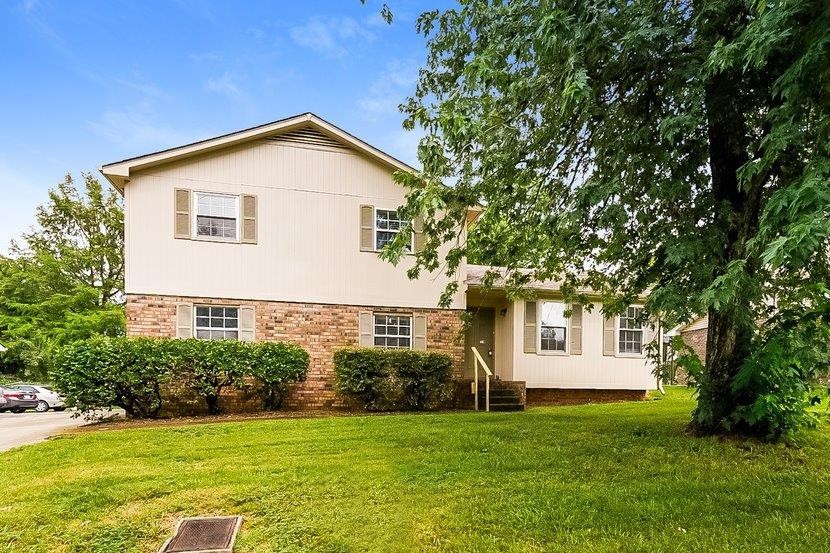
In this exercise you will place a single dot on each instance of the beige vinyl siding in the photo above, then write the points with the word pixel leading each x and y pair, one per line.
pixel 591 369
pixel 308 244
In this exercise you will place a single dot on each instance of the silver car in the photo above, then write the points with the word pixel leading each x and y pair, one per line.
pixel 47 398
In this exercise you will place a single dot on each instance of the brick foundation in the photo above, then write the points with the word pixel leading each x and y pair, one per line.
pixel 319 328
pixel 565 396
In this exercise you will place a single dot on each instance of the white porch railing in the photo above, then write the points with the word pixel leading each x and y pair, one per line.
pixel 479 361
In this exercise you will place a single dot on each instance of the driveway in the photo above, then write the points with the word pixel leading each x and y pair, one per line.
pixel 30 427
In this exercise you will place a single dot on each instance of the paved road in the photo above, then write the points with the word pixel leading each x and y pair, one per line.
pixel 30 427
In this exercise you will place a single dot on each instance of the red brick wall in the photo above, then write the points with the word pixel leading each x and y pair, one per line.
pixel 320 329
pixel 696 339
pixel 565 396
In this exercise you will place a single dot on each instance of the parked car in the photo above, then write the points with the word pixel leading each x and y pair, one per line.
pixel 17 400
pixel 47 398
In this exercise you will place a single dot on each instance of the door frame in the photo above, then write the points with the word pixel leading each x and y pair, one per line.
pixel 477 312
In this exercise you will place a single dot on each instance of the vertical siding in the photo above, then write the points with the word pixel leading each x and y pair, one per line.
pixel 308 219
pixel 590 370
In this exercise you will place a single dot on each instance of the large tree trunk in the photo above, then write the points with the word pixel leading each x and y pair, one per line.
pixel 737 208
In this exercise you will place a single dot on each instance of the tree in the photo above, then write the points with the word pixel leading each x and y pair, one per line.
pixel 678 148
pixel 65 280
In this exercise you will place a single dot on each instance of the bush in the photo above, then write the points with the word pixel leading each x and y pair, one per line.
pixel 209 366
pixel 103 372
pixel 131 372
pixel 275 365
pixel 385 380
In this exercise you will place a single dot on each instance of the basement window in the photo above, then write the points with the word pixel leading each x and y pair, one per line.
pixel 393 331
pixel 217 322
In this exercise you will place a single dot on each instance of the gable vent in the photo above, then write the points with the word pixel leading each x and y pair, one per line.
pixel 308 137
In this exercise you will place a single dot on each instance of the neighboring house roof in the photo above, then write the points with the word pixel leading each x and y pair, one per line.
pixel 119 172
pixel 698 323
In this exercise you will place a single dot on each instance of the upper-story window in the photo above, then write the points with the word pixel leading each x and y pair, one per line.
pixel 630 331
pixel 217 322
pixel 387 226
pixel 217 216
pixel 553 327
pixel 393 331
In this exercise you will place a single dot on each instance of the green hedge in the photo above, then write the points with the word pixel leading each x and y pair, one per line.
pixel 386 380
pixel 131 372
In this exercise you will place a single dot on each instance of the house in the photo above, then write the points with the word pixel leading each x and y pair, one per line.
pixel 694 335
pixel 272 233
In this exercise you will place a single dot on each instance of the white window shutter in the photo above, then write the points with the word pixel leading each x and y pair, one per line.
pixel 530 327
pixel 609 338
pixel 367 228
pixel 181 213
pixel 184 320
pixel 366 323
pixel 576 330
pixel 419 332
pixel 249 219
pixel 247 323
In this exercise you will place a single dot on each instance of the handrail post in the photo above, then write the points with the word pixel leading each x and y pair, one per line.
pixel 487 392
pixel 475 382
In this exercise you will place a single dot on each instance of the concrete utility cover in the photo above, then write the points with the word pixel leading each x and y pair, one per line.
pixel 203 535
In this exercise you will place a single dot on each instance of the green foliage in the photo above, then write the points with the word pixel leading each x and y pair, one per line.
pixel 65 281
pixel 99 373
pixel 676 149
pixel 601 478
pixel 275 365
pixel 131 373
pixel 209 366
pixel 385 380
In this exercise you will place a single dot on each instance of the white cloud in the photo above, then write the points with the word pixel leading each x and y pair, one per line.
pixel 330 36
pixel 225 85
pixel 390 89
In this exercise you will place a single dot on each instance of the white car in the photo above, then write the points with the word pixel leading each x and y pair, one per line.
pixel 47 398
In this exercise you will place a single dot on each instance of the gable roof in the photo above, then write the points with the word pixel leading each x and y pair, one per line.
pixel 119 172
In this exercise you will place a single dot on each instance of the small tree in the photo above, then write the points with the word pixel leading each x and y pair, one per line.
pixel 64 280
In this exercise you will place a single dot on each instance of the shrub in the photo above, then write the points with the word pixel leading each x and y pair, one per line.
pixel 103 372
pixel 275 365
pixel 209 366
pixel 131 372
pixel 394 379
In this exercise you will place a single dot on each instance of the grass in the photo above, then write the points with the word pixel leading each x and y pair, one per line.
pixel 616 477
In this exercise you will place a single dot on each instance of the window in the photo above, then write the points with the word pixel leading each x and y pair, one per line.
pixel 387 226
pixel 393 331
pixel 217 323
pixel 630 338
pixel 553 327
pixel 217 215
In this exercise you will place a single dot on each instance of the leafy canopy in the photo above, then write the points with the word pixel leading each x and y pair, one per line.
pixel 64 280
pixel 679 148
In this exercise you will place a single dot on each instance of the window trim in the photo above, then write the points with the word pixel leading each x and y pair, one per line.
pixel 195 208
pixel 409 316
pixel 196 327
pixel 539 350
pixel 375 230
pixel 617 330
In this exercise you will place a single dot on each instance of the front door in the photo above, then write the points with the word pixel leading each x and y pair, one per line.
pixel 482 334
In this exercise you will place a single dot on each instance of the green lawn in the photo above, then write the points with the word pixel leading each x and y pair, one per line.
pixel 618 477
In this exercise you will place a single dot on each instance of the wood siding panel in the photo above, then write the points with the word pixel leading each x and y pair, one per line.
pixel 590 370
pixel 308 231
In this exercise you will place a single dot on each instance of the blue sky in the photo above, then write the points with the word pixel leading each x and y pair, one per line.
pixel 86 83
